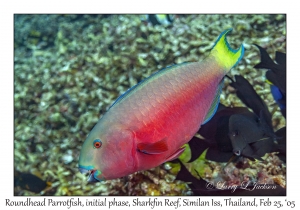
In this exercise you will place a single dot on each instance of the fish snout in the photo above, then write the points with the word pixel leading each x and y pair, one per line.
pixel 92 174
pixel 96 176
pixel 237 152
pixel 91 177
pixel 83 170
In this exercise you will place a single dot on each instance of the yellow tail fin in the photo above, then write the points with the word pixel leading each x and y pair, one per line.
pixel 225 56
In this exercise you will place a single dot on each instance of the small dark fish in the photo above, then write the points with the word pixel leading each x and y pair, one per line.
pixel 30 182
pixel 240 133
pixel 251 137
pixel 277 71
pixel 244 130
pixel 276 76
pixel 233 131
pixel 250 98
pixel 216 136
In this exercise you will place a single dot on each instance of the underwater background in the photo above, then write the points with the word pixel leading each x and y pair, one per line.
pixel 69 69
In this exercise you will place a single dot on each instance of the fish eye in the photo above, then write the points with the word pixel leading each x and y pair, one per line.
pixel 235 133
pixel 97 143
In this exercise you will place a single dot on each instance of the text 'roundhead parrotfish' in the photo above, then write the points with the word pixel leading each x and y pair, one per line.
pixel 149 124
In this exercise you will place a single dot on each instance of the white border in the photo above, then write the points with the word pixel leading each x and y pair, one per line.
pixel 8 8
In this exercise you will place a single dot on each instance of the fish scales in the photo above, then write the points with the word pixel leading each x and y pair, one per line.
pixel 165 97
pixel 187 97
pixel 148 125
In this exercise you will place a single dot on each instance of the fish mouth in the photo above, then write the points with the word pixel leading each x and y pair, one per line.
pixel 93 174
pixel 91 177
pixel 237 152
pixel 83 170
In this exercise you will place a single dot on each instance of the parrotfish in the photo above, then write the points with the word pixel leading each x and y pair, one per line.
pixel 149 124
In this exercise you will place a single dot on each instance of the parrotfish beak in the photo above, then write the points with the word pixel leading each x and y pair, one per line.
pixel 93 175
pixel 92 178
pixel 83 170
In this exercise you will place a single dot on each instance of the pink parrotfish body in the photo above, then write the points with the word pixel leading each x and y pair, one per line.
pixel 149 124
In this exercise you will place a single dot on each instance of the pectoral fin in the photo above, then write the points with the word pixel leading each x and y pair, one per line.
pixel 153 148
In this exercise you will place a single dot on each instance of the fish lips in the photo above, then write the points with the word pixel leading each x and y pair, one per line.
pixel 237 152
pixel 93 178
pixel 93 174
